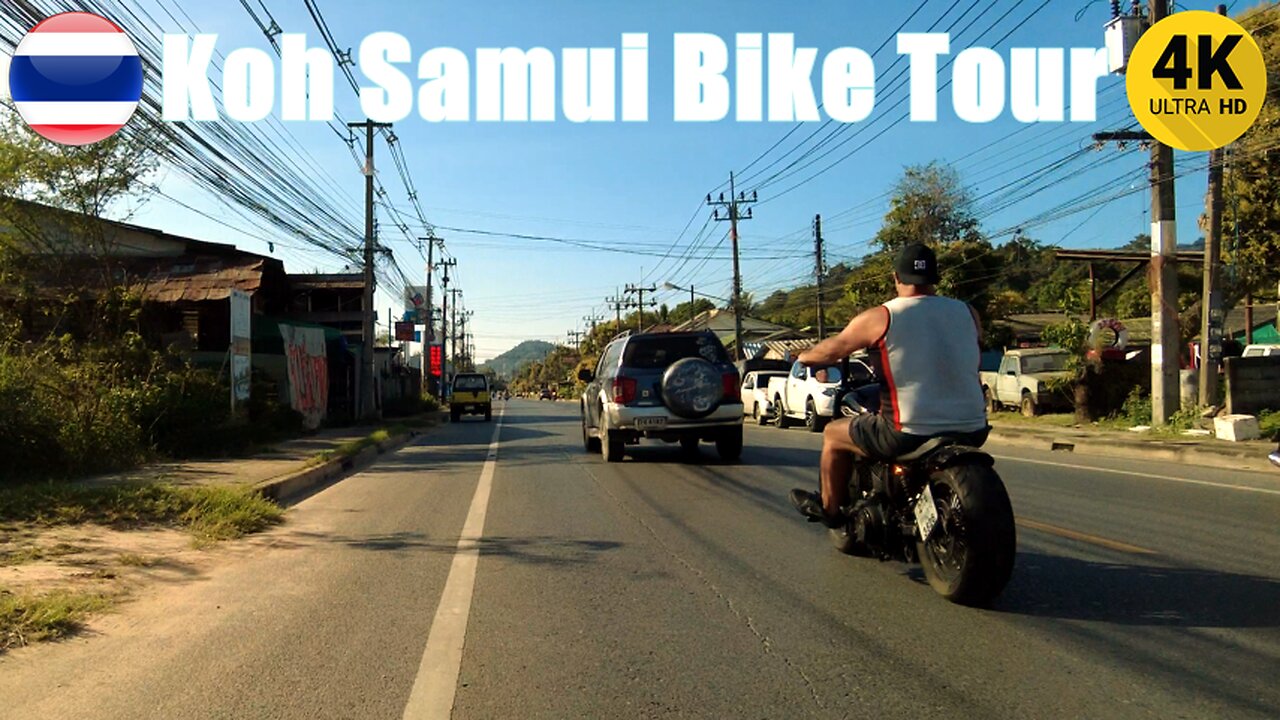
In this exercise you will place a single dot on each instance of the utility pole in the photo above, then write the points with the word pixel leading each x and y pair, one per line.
pixel 428 334
pixel 1165 397
pixel 616 302
pixel 368 403
pixel 453 326
pixel 466 346
pixel 1211 302
pixel 640 290
pixel 819 271
pixel 575 336
pixel 734 206
pixel 444 327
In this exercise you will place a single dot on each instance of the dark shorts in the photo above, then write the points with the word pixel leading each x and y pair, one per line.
pixel 882 441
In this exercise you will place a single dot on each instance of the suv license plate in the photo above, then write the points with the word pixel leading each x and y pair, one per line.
pixel 926 513
pixel 648 423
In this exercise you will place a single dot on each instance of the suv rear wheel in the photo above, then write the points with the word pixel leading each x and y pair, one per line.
pixel 612 446
pixel 729 445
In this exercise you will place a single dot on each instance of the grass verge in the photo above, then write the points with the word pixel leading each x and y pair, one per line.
pixel 25 619
pixel 208 513
pixel 353 447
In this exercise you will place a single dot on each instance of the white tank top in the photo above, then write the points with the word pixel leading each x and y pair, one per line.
pixel 930 356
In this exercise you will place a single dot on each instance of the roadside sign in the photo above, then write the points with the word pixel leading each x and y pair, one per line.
pixel 404 332
pixel 241 329
pixel 437 357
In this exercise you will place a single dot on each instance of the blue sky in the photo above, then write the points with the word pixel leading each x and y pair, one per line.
pixel 637 185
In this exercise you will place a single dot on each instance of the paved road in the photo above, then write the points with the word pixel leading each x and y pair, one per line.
pixel 656 588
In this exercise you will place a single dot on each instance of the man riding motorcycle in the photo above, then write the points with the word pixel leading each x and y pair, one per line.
pixel 928 347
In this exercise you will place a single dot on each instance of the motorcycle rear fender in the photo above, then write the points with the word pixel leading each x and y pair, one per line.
pixel 952 455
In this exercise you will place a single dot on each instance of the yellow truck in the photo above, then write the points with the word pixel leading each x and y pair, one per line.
pixel 471 395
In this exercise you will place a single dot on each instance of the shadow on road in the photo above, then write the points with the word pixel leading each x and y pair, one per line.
pixel 1070 588
pixel 535 550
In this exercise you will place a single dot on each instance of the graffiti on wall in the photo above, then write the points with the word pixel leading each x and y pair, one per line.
pixel 308 372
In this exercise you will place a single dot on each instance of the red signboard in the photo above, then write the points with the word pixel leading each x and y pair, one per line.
pixel 437 357
pixel 404 332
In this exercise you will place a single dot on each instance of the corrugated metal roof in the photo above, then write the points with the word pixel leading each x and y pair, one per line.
pixel 200 279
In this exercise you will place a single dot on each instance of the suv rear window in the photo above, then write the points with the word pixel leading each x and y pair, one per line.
pixel 469 382
pixel 652 353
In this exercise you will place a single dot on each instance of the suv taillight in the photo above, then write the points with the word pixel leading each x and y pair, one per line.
pixel 732 388
pixel 624 390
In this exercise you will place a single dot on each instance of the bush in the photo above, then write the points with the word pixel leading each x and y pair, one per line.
pixel 409 406
pixel 71 410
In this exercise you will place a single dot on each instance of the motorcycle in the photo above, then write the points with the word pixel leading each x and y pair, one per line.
pixel 942 505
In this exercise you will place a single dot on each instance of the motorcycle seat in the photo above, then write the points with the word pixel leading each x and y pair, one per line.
pixel 928 447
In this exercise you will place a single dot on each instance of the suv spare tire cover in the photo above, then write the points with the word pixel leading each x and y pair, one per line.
pixel 692 388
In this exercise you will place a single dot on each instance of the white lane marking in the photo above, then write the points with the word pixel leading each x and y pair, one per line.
pixel 437 681
pixel 1148 476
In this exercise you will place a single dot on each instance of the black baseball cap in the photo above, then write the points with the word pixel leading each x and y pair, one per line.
pixel 916 264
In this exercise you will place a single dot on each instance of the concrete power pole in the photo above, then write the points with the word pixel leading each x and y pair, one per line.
pixel 444 327
pixel 428 333
pixel 1165 396
pixel 640 290
pixel 368 402
pixel 453 326
pixel 734 206
pixel 819 272
pixel 616 304
pixel 1211 303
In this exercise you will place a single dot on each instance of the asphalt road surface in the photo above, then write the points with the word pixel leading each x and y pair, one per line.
pixel 497 571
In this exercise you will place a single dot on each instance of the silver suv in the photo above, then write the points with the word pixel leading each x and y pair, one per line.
pixel 674 387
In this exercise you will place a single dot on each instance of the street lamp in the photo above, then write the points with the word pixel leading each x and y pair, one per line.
pixel 672 286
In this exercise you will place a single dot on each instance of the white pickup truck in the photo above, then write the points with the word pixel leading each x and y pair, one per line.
pixel 804 395
pixel 1024 381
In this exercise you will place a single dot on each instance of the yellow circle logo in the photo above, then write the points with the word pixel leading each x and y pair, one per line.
pixel 1196 80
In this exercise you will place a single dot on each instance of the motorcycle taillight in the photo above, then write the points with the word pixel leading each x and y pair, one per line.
pixel 732 389
pixel 624 390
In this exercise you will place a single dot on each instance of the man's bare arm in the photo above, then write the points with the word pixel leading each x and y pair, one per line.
pixel 862 332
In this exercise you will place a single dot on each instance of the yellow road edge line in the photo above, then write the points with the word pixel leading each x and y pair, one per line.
pixel 1084 537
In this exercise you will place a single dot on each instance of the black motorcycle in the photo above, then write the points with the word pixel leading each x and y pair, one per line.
pixel 942 505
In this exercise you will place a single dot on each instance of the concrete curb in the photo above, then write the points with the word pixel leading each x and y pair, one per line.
pixel 1165 451
pixel 291 485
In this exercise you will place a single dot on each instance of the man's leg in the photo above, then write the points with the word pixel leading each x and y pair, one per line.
pixel 835 469
pixel 838 451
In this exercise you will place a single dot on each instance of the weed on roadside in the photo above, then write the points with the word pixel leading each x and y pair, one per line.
pixel 208 513
pixel 135 560
pixel 25 619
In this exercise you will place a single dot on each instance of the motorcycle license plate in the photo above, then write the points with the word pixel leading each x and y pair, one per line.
pixel 648 423
pixel 926 513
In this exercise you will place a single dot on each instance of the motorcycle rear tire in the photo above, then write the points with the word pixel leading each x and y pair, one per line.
pixel 989 534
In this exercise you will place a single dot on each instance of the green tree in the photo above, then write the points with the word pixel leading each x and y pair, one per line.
pixel 1251 226
pixel 930 205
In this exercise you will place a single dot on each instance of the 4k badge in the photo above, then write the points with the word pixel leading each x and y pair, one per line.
pixel 1196 80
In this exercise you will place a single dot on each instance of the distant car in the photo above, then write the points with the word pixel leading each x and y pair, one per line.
pixel 1261 351
pixel 470 395
pixel 546 394
pixel 805 394
pixel 755 394
pixel 675 387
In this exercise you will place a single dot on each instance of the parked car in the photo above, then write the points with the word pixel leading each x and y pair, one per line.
pixel 755 394
pixel 673 387
pixel 1261 351
pixel 546 394
pixel 1024 379
pixel 805 395
pixel 470 395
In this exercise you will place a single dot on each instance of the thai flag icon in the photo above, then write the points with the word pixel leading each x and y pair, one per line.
pixel 76 78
